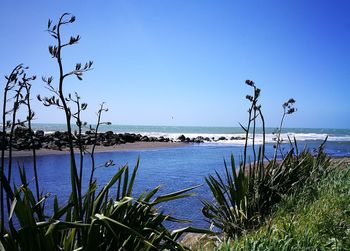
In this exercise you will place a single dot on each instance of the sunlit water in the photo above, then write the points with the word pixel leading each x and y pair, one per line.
pixel 172 168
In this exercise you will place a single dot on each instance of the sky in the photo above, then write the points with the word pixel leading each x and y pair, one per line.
pixel 184 62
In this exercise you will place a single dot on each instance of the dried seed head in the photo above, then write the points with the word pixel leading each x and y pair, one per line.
pixel 250 98
pixel 249 82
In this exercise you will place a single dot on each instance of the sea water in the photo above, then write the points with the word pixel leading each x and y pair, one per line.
pixel 173 168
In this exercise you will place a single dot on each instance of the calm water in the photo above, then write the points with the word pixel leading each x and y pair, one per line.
pixel 173 168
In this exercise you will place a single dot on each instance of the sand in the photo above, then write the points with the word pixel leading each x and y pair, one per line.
pixel 123 147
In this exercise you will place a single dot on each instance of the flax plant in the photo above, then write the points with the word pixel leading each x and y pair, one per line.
pixel 96 220
pixel 11 81
pixel 80 124
pixel 59 99
pixel 244 196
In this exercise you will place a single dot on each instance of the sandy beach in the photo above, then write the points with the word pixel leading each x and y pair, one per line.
pixel 121 147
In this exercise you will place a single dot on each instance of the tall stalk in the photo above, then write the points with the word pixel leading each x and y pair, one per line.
pixel 10 83
pixel 254 129
pixel 251 118
pixel 287 109
pixel 77 115
pixel 16 105
pixel 263 134
pixel 30 116
pixel 92 153
pixel 60 100
pixel 75 188
pixel 247 129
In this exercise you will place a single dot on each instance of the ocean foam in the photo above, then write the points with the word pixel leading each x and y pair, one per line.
pixel 269 138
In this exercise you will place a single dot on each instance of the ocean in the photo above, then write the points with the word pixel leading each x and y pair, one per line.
pixel 174 168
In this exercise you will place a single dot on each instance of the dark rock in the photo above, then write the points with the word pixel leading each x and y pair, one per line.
pixel 53 146
pixel 39 133
pixel 145 139
pixel 138 137
pixel 199 139
pixel 108 134
pixel 222 138
pixel 237 138
pixel 182 138
pixel 22 132
pixel 37 144
pixel 130 138
pixel 57 134
pixel 106 143
pixel 153 139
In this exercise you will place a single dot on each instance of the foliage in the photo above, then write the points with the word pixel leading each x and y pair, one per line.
pixel 244 197
pixel 114 222
pixel 106 219
pixel 314 218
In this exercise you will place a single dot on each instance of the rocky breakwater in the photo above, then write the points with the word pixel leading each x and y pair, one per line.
pixel 21 139
pixel 201 139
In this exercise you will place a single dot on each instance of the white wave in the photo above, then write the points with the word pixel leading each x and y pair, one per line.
pixel 269 138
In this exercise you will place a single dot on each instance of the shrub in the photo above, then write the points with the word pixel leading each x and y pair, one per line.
pixel 244 197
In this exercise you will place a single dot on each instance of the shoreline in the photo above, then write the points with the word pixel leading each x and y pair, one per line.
pixel 101 149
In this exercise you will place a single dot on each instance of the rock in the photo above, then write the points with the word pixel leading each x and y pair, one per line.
pixel 182 138
pixel 237 138
pixel 153 139
pixel 138 137
pixel 21 132
pixel 57 134
pixel 222 138
pixel 194 240
pixel 130 138
pixel 39 133
pixel 52 145
pixel 108 134
pixel 198 140
pixel 37 144
pixel 144 139
pixel 106 143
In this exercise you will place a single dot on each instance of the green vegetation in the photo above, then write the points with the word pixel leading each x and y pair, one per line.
pixel 314 217
pixel 292 201
pixel 297 202
pixel 317 217
pixel 94 220
pixel 243 198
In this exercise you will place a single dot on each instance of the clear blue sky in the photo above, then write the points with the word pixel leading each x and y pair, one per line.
pixel 154 60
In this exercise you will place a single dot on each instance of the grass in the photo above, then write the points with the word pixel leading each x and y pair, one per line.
pixel 316 217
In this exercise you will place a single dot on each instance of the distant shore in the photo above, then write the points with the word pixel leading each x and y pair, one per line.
pixel 100 149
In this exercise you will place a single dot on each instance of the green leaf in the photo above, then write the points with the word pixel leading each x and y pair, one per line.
pixel 107 220
pixel 13 205
pixel 98 201
pixel 173 196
